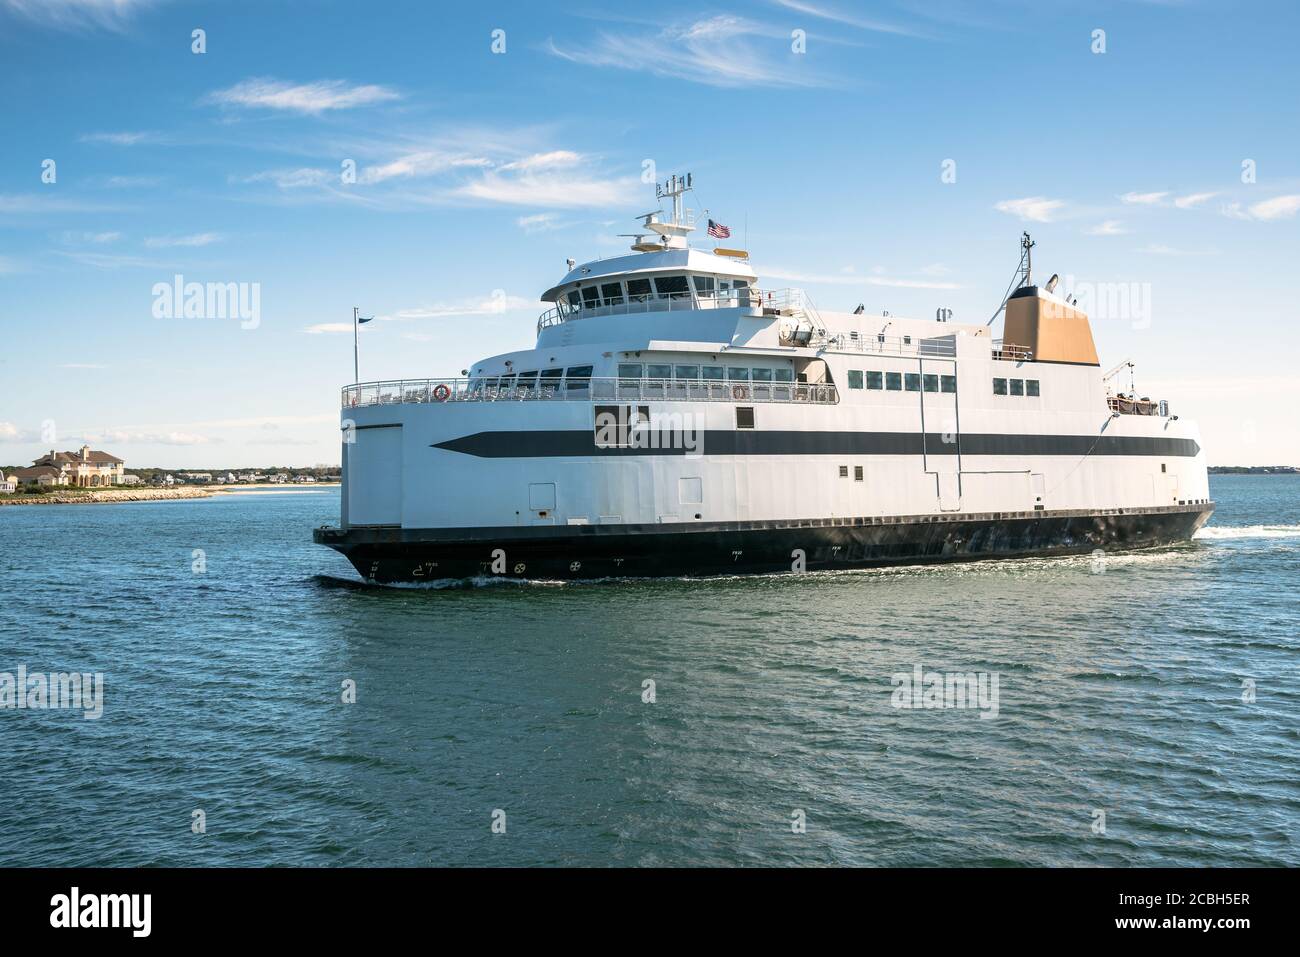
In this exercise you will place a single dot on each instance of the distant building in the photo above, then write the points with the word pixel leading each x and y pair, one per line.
pixel 279 478
pixel 7 483
pixel 304 479
pixel 85 468
pixel 197 476
pixel 229 478
pixel 45 476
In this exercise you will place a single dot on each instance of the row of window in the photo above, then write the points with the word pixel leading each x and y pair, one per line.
pixel 902 381
pixel 643 289
pixel 1015 387
pixel 635 371
pixel 857 472
pixel 574 377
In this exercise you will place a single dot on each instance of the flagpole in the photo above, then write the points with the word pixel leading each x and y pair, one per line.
pixel 356 363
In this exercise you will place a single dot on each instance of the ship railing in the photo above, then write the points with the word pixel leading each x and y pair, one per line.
pixel 944 347
pixel 746 297
pixel 1131 405
pixel 587 389
pixel 1008 352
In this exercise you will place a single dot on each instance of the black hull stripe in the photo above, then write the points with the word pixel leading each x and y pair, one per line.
pixel 576 443
pixel 573 552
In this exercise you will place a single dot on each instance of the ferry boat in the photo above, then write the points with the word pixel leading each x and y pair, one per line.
pixel 676 417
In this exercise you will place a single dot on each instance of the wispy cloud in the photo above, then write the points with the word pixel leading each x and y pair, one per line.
pixel 565 183
pixel 537 222
pixel 853 279
pixel 421 164
pixel 1109 227
pixel 120 139
pixel 495 304
pixel 309 98
pixel 75 14
pixel 1279 207
pixel 721 51
pixel 97 239
pixel 1143 199
pixel 1034 209
pixel 290 178
pixel 195 239
pixel 1193 199
pixel 82 365
pixel 846 19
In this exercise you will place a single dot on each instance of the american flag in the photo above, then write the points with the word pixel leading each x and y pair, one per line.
pixel 719 231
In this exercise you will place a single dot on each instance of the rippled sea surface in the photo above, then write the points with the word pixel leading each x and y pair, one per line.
pixel 1121 687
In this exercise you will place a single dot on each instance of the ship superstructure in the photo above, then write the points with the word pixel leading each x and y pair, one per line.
pixel 678 417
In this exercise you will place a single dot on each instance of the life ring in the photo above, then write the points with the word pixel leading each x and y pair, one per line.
pixel 739 392
pixel 441 392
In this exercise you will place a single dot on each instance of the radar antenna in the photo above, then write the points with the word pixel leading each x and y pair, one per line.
pixel 1022 275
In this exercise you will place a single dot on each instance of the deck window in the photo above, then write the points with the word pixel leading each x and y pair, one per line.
pixel 1017 386
pixel 686 373
pixel 875 380
pixel 947 383
pixel 844 471
pixel 704 286
pixel 784 375
pixel 551 378
pixel 1031 387
pixel 629 373
pixel 577 377
pixel 857 473
pixel 737 375
pixel 575 299
pixel 714 373
pixel 590 297
pixel 912 381
pixel 613 293
pixel 527 380
pixel 999 386
pixel 744 417
pixel 930 383
pixel 894 381
pixel 672 287
pixel 761 375
pixel 658 371
pixel 638 290
pixel 855 379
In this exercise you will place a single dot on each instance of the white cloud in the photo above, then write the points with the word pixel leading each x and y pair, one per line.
pixel 1276 208
pixel 1193 199
pixel 117 139
pixel 87 237
pixel 329 327
pixel 71 14
pixel 9 432
pixel 196 239
pixel 1035 209
pixel 828 13
pixel 537 223
pixel 850 279
pixel 419 164
pixel 1143 199
pixel 125 437
pixel 555 158
pixel 1110 227
pixel 495 304
pixel 718 51
pixel 563 189
pixel 290 178
pixel 310 98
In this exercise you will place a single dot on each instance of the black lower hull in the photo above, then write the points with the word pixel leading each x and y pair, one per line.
pixel 394 555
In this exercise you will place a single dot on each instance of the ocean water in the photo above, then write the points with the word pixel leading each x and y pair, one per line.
pixel 1155 693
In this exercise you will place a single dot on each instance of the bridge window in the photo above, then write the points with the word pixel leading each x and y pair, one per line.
pixel 613 293
pixel 912 381
pixel 930 383
pixel 672 287
pixel 894 381
pixel 590 297
pixel 1017 386
pixel 704 285
pixel 1031 387
pixel 575 299
pixel 855 379
pixel 875 380
pixel 638 290
pixel 948 383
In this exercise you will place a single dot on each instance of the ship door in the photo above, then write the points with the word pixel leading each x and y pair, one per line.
pixel 373 476
pixel 941 431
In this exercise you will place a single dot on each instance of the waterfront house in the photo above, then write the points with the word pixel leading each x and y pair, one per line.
pixel 85 468
pixel 8 483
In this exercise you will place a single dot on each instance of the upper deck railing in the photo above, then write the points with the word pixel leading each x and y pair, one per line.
pixel 587 389
pixel 939 348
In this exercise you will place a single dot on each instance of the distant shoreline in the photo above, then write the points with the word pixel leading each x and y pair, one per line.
pixel 109 496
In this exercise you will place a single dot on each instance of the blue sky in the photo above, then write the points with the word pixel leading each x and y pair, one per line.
pixel 478 173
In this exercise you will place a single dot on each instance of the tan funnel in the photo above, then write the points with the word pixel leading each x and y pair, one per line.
pixel 1051 329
